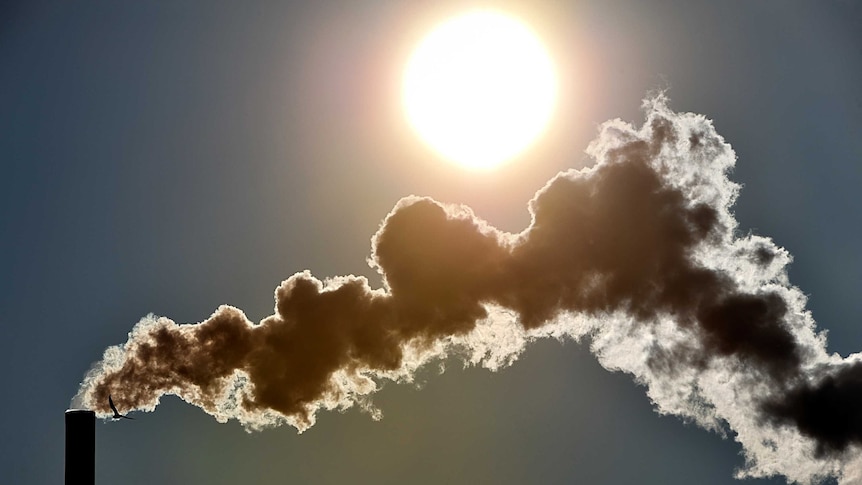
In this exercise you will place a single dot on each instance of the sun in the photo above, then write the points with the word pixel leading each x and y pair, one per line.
pixel 479 89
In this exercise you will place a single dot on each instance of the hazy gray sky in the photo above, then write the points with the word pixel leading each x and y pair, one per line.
pixel 171 158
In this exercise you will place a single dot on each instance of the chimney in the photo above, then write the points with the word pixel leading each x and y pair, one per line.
pixel 80 447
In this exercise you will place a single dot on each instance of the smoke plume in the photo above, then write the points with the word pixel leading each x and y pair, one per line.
pixel 638 255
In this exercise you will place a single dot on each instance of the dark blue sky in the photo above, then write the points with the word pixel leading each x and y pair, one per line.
pixel 172 157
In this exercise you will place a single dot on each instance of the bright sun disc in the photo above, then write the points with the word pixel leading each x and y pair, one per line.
pixel 479 89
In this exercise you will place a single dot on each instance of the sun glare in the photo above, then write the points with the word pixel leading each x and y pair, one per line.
pixel 479 89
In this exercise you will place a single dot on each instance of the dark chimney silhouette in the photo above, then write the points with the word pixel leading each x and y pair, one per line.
pixel 80 447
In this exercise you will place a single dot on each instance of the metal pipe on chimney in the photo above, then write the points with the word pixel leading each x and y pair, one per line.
pixel 80 447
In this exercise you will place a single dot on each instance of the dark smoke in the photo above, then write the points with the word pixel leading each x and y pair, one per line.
pixel 828 411
pixel 638 254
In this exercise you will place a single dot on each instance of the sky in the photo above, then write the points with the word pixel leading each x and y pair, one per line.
pixel 171 158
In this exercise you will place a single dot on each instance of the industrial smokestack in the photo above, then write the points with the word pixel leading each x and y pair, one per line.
pixel 80 447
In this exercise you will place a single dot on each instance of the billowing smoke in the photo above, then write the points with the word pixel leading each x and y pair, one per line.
pixel 637 255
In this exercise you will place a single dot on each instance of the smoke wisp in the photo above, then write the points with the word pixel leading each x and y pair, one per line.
pixel 638 255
